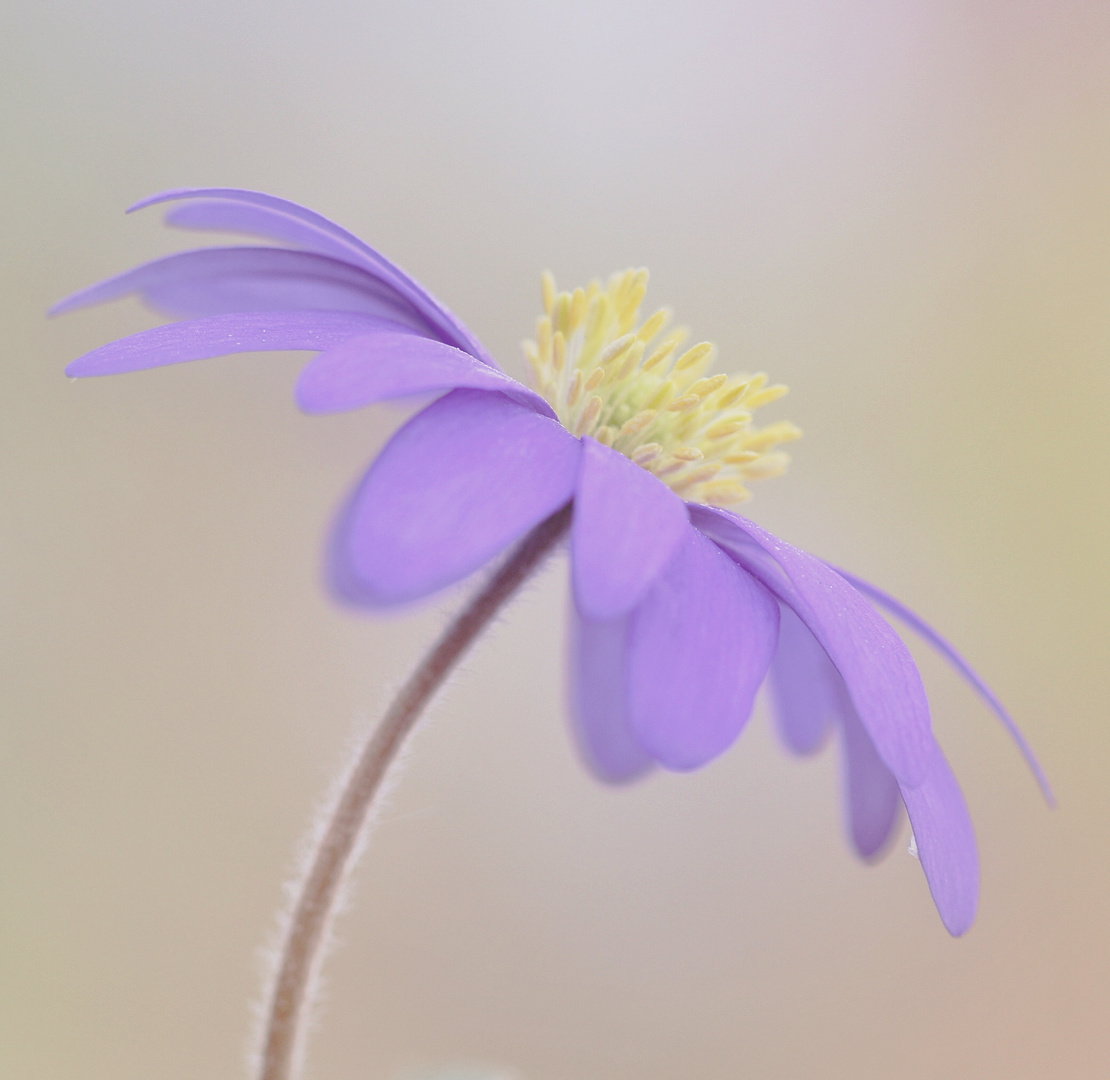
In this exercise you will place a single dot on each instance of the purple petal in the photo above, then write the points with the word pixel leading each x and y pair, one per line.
pixel 882 679
pixel 699 646
pixel 916 623
pixel 599 700
pixel 216 281
pixel 874 802
pixel 627 526
pixel 945 844
pixel 220 335
pixel 220 215
pixel 454 487
pixel 269 215
pixel 451 329
pixel 379 367
pixel 805 686
pixel 810 696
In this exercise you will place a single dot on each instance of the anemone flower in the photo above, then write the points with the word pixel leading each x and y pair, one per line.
pixel 682 607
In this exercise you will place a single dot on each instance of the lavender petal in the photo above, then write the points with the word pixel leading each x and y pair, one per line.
pixel 599 700
pixel 916 623
pixel 450 328
pixel 221 215
pixel 216 281
pixel 453 488
pixel 381 366
pixel 805 687
pixel 945 844
pixel 699 645
pixel 882 678
pixel 627 525
pixel 221 335
pixel 873 799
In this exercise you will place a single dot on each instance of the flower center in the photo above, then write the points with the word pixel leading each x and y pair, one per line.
pixel 595 363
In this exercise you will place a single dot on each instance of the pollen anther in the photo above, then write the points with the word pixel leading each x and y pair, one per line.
pixel 598 367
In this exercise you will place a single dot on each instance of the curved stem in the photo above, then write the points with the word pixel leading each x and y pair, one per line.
pixel 289 1005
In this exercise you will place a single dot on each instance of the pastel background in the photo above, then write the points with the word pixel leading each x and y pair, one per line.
pixel 900 209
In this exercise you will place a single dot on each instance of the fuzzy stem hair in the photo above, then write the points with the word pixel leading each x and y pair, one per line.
pixel 290 999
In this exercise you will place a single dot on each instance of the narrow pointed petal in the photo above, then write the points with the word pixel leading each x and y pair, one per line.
pixel 700 644
pixel 221 335
pixel 216 281
pixel 460 482
pixel 805 686
pixel 627 526
pixel 450 328
pixel 227 216
pixel 945 844
pixel 878 670
pixel 272 216
pixel 599 700
pixel 873 798
pixel 379 367
pixel 916 623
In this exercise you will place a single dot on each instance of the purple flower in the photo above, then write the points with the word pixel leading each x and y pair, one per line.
pixel 681 606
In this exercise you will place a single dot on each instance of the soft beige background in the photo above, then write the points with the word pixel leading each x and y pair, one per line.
pixel 901 209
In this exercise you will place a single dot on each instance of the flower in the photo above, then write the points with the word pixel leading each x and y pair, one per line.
pixel 681 606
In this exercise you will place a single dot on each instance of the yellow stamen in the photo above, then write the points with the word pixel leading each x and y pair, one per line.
pixel 661 355
pixel 616 349
pixel 687 453
pixel 589 416
pixel 654 325
pixel 574 392
pixel 638 422
pixel 691 428
pixel 558 351
pixel 547 284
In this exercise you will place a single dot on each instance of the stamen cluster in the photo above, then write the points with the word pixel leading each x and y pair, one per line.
pixel 661 408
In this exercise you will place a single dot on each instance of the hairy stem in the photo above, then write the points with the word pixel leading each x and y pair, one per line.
pixel 283 1038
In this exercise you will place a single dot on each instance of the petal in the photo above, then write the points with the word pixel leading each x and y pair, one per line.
pixel 882 678
pixel 223 215
pixel 810 696
pixel 805 686
pixel 946 844
pixel 599 700
pixel 456 485
pixel 627 526
pixel 216 281
pixel 699 646
pixel 221 335
pixel 379 367
pixel 874 802
pixel 280 211
pixel 916 623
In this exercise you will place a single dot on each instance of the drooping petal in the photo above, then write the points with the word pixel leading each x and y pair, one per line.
pixel 878 670
pixel 454 487
pixel 872 795
pixel 450 328
pixel 599 700
pixel 946 843
pixel 246 219
pixel 810 697
pixel 221 335
pixel 804 686
pixel 379 367
pixel 216 281
pixel 627 526
pixel 916 623
pixel 699 645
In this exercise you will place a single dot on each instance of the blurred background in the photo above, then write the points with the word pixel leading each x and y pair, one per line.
pixel 902 210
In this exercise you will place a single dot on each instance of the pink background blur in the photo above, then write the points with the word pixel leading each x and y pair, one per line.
pixel 902 210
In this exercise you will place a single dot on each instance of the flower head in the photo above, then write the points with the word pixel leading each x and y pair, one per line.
pixel 681 607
